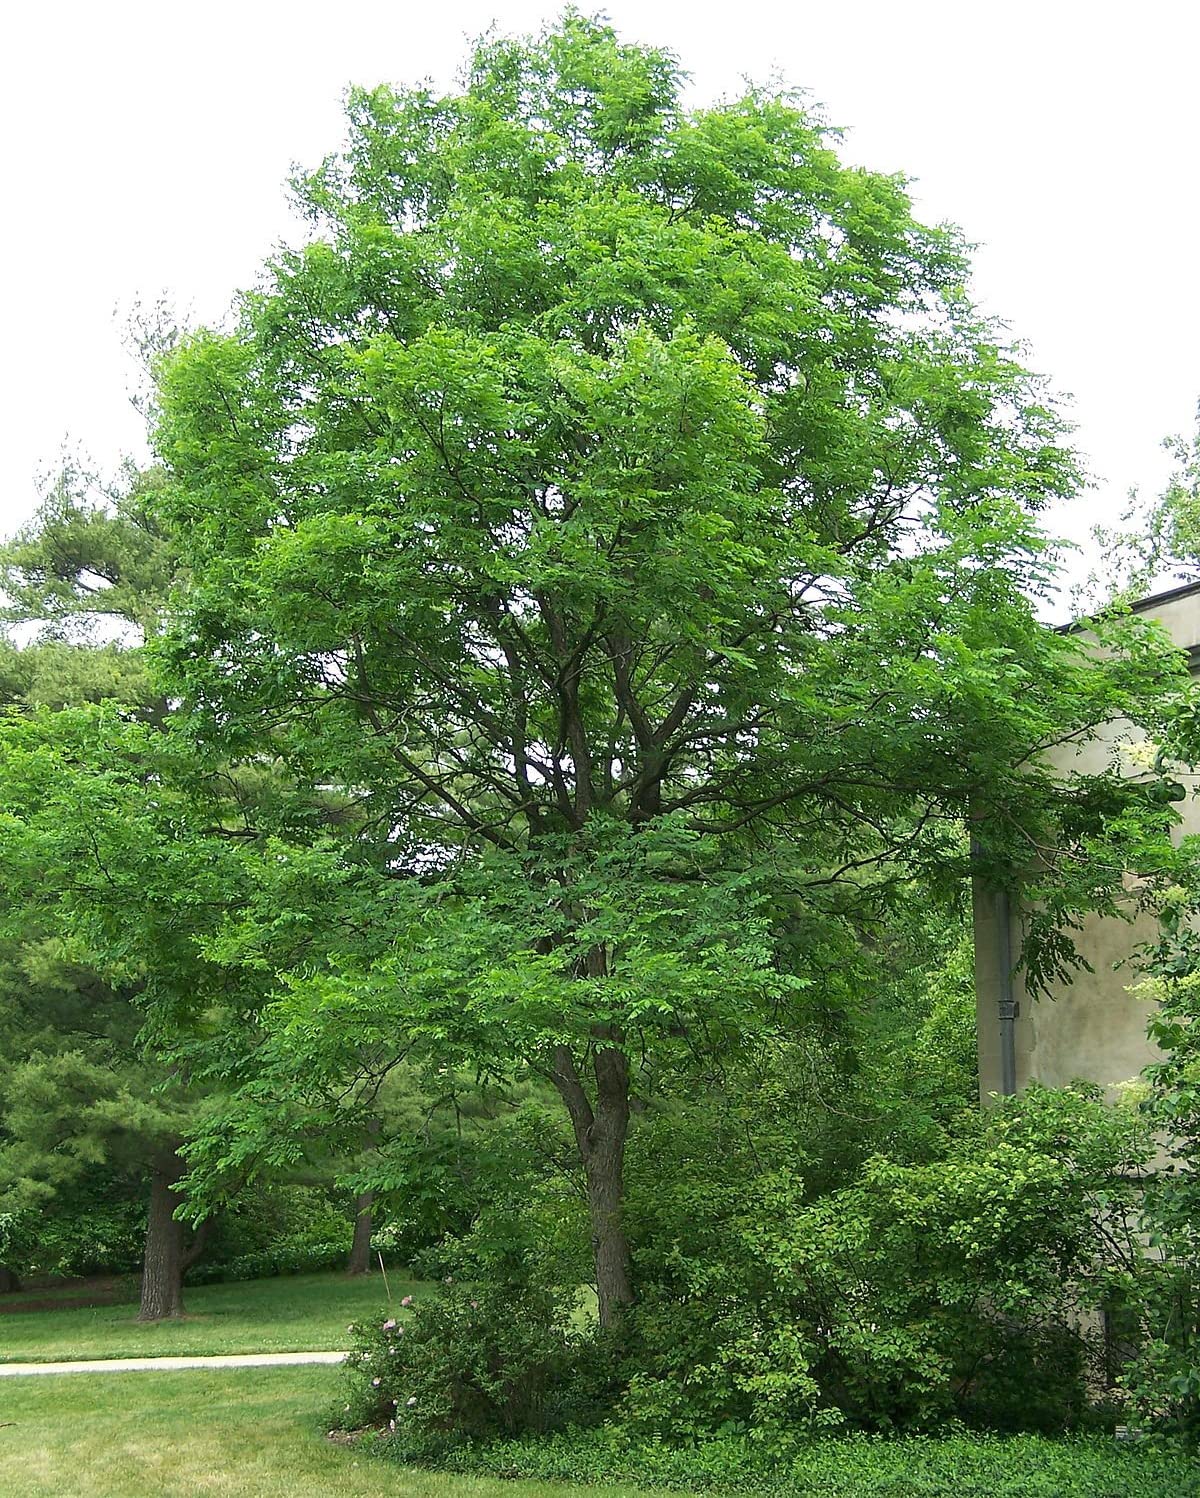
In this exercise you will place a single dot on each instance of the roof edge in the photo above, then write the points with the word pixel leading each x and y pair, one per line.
pixel 1169 595
pixel 1138 606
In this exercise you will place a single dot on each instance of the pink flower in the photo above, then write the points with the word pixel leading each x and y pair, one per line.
pixel 407 1301
pixel 388 1324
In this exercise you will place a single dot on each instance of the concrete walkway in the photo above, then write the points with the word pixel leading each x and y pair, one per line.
pixel 167 1365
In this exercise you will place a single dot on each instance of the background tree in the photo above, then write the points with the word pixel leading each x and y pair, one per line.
pixel 1156 541
pixel 629 504
pixel 82 1092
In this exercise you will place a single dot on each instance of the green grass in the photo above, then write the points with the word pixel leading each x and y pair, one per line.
pixel 292 1313
pixel 245 1433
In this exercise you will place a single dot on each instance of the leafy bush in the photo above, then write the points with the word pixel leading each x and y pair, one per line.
pixel 952 1290
pixel 957 1467
pixel 1162 1381
pixel 427 1188
pixel 278 1230
pixel 530 1225
pixel 92 1226
pixel 291 1255
pixel 468 1363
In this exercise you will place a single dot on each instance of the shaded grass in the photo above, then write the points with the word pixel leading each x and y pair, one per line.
pixel 245 1433
pixel 291 1313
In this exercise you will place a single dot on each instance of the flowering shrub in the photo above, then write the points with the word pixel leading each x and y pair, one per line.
pixel 474 1362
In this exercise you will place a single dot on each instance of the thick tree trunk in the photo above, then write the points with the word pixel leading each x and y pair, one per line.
pixel 162 1266
pixel 600 1134
pixel 360 1249
pixel 9 1283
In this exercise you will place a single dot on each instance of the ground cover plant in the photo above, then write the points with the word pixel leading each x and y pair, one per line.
pixel 905 1467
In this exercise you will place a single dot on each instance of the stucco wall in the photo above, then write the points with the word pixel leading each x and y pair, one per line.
pixel 1092 1028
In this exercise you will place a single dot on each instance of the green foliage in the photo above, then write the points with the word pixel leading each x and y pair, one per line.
pixel 626 509
pixel 271 1229
pixel 89 553
pixel 951 1467
pixel 471 1362
pixel 1156 537
pixel 56 674
pixel 920 1294
pixel 94 1225
pixel 483 966
pixel 293 1253
pixel 1163 1380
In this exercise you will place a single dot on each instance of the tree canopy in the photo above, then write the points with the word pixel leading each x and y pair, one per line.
pixel 627 508
pixel 605 562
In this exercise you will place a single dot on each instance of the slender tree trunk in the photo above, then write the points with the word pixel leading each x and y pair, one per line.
pixel 194 1252
pixel 162 1266
pixel 600 1134
pixel 360 1249
pixel 9 1283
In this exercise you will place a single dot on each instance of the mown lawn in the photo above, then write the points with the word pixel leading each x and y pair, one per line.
pixel 291 1313
pixel 245 1433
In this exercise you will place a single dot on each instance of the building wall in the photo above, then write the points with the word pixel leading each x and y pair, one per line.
pixel 1092 1028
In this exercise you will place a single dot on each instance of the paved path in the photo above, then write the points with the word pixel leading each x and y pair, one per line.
pixel 166 1365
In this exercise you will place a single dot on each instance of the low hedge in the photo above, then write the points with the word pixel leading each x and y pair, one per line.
pixel 850 1467
pixel 289 1256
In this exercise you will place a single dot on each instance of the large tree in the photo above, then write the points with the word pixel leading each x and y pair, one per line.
pixel 629 508
pixel 81 1090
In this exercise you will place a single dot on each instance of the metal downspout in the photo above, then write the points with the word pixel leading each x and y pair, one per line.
pixel 1008 1008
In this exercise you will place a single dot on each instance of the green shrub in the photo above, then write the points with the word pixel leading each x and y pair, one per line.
pixel 469 1363
pixel 924 1294
pixel 1163 1380
pixel 278 1230
pixel 287 1256
pixel 91 1226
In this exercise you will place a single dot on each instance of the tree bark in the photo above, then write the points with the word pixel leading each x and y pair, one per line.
pixel 195 1249
pixel 9 1283
pixel 360 1249
pixel 162 1266
pixel 600 1134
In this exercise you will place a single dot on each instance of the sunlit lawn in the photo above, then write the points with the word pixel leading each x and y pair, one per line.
pixel 291 1313
pixel 246 1433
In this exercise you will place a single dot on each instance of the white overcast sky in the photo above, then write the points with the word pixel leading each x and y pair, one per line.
pixel 147 147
